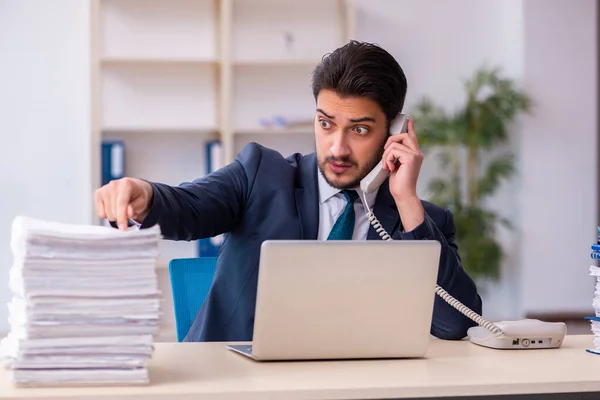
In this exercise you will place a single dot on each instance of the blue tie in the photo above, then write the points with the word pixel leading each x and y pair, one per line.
pixel 344 226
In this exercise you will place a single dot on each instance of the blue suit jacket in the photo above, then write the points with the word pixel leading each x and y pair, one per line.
pixel 262 195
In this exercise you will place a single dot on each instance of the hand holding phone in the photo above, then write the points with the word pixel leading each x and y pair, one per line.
pixel 377 176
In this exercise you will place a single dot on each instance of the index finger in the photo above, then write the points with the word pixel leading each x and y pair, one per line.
pixel 122 203
pixel 411 132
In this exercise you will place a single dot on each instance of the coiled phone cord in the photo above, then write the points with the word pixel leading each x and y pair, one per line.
pixel 448 298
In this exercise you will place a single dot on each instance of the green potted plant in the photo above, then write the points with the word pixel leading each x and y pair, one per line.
pixel 474 162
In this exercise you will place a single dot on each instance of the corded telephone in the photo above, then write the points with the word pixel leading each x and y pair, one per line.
pixel 523 334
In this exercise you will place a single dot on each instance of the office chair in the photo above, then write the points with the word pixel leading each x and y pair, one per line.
pixel 191 279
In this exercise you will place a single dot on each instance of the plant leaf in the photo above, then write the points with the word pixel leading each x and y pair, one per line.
pixel 496 104
pixel 480 253
pixel 433 126
pixel 498 169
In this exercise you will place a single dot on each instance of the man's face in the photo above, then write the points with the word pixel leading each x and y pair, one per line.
pixel 350 134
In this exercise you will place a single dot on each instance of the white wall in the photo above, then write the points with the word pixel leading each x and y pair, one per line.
pixel 44 117
pixel 559 146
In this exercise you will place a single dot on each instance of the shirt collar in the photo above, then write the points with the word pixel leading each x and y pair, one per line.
pixel 326 191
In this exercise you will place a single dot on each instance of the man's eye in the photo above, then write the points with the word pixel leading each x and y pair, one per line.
pixel 324 124
pixel 361 130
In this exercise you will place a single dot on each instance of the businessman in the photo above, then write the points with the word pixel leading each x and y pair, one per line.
pixel 358 90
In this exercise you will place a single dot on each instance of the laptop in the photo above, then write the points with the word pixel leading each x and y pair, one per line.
pixel 328 300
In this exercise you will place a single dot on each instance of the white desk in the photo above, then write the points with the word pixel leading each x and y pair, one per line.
pixel 209 371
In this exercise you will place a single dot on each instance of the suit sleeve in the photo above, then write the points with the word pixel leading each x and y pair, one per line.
pixel 448 323
pixel 208 206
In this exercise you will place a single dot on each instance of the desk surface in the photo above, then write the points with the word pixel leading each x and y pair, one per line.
pixel 209 371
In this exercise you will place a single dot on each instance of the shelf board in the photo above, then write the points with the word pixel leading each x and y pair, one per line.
pixel 208 131
pixel 276 62
pixel 276 131
pixel 156 61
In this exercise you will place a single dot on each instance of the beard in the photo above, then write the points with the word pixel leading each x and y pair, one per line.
pixel 361 171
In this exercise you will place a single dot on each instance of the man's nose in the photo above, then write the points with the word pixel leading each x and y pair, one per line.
pixel 339 147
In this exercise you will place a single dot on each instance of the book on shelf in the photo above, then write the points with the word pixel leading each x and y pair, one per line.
pixel 113 160
pixel 209 247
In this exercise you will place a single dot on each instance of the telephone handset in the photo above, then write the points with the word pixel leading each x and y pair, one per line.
pixel 523 334
pixel 377 176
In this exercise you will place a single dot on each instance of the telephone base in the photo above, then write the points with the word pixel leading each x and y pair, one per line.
pixel 527 334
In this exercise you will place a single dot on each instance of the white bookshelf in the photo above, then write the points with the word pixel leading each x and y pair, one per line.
pixel 169 75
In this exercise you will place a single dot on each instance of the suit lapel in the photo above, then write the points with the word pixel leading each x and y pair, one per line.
pixel 307 197
pixel 385 211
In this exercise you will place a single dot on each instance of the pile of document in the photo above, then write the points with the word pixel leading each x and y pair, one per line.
pixel 85 304
pixel 595 320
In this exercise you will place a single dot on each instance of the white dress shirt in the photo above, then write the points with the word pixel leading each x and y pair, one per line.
pixel 331 205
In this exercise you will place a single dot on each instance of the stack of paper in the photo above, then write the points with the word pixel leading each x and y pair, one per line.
pixel 595 320
pixel 85 304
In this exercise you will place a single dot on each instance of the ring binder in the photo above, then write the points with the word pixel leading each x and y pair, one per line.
pixel 210 247
pixel 113 160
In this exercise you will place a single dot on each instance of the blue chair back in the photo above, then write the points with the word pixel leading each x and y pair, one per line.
pixel 191 279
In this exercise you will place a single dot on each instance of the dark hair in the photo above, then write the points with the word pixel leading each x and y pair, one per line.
pixel 363 70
